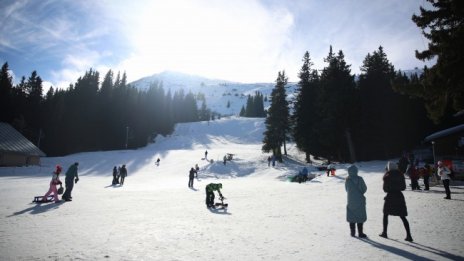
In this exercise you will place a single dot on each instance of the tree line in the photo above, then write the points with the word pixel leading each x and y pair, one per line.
pixel 382 113
pixel 91 115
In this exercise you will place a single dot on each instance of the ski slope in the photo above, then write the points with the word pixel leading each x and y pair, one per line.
pixel 155 216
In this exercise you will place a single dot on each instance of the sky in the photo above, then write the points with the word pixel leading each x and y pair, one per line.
pixel 245 40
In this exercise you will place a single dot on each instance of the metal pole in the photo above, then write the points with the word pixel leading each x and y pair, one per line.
pixel 127 135
pixel 433 152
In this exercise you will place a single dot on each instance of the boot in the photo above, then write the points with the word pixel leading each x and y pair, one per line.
pixel 360 231
pixel 383 234
pixel 353 229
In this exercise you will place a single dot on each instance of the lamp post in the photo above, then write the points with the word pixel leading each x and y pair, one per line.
pixel 127 135
pixel 433 152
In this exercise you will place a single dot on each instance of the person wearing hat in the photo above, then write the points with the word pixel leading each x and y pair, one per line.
pixel 395 204
pixel 444 173
pixel 71 178
pixel 210 188
pixel 356 205
pixel 53 183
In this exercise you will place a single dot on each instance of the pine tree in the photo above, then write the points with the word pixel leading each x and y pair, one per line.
pixel 6 89
pixel 336 103
pixel 443 84
pixel 305 113
pixel 277 120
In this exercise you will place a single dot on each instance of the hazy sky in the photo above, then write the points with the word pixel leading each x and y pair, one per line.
pixel 240 40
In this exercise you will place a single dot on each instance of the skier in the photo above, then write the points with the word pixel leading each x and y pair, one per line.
pixel 115 176
pixel 55 181
pixel 395 205
pixel 356 206
pixel 158 162
pixel 206 155
pixel 224 159
pixel 71 178
pixel 269 161
pixel 191 176
pixel 210 188
pixel 123 174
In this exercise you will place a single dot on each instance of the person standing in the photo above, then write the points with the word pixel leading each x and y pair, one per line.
pixel 123 173
pixel 444 173
pixel 115 176
pixel 395 204
pixel 356 206
pixel 191 177
pixel 206 155
pixel 427 172
pixel 197 169
pixel 71 178
pixel 269 161
pixel 224 160
pixel 55 181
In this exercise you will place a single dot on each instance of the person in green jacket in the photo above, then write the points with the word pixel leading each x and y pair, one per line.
pixel 71 178
pixel 356 205
pixel 210 188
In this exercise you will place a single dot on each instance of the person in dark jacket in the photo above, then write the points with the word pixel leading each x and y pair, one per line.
pixel 395 204
pixel 71 178
pixel 123 174
pixel 403 164
pixel 191 177
pixel 115 176
pixel 356 206
pixel 210 188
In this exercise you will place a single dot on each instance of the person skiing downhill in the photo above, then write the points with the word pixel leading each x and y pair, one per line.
pixel 210 188
pixel 55 181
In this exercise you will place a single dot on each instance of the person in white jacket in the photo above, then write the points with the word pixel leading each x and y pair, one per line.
pixel 444 173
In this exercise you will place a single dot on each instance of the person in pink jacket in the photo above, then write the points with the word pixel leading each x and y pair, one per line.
pixel 53 183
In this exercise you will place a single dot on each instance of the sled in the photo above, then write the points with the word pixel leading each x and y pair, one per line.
pixel 39 199
pixel 221 205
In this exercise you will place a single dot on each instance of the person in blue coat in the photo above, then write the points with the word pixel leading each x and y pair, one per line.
pixel 356 206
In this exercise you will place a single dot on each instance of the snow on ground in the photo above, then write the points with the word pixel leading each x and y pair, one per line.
pixel 155 216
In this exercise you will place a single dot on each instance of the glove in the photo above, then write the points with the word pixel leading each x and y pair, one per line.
pixel 76 180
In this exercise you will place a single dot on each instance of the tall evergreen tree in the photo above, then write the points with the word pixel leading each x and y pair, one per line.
pixel 6 89
pixel 443 84
pixel 336 104
pixel 305 113
pixel 277 120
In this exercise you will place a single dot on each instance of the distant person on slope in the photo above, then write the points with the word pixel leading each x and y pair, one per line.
pixel 115 176
pixel 191 177
pixel 123 174
pixel 206 155
pixel 395 204
pixel 71 178
pixel 356 206
pixel 55 181
pixel 210 188
pixel 197 169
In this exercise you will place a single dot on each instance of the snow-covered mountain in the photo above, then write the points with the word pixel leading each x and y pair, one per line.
pixel 218 93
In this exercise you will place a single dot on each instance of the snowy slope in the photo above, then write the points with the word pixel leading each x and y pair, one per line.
pixel 155 216
pixel 218 93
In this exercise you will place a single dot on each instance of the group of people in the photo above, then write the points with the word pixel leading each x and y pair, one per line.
pixel 394 183
pixel 395 205
pixel 119 175
pixel 71 178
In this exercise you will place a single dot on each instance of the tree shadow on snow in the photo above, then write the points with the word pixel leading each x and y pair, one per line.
pixel 38 208
pixel 432 250
pixel 397 251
